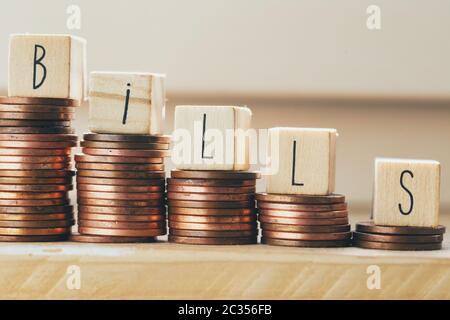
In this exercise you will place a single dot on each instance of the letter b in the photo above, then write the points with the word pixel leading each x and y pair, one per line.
pixel 38 49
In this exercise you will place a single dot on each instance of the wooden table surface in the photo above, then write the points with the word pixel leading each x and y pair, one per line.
pixel 171 271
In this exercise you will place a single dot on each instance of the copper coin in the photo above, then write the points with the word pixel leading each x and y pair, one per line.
pixel 38 144
pixel 212 226
pixel 128 189
pixel 127 138
pixel 120 182
pixel 126 152
pixel 107 239
pixel 37 224
pixel 233 175
pixel 119 166
pixel 305 214
pixel 199 189
pixel 37 210
pixel 43 238
pixel 212 204
pixel 305 244
pixel 36 159
pixel 40 101
pixel 302 222
pixel 35 108
pixel 36 216
pixel 398 239
pixel 37 173
pixel 301 199
pixel 31 203
pixel 213 234
pixel 120 195
pixel 121 174
pixel 122 217
pixel 121 224
pixel 34 152
pixel 122 210
pixel 209 219
pixel 32 195
pixel 370 227
pixel 38 137
pixel 37 130
pixel 36 116
pixel 36 181
pixel 306 236
pixel 122 160
pixel 305 229
pixel 33 123
pixel 120 203
pixel 211 182
pixel 124 145
pixel 35 166
pixel 211 212
pixel 33 231
pixel 397 246
pixel 212 241
pixel 210 196
pixel 123 232
pixel 302 207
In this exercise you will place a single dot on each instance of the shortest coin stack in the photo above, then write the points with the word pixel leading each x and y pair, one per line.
pixel 212 207
pixel 121 188
pixel 371 236
pixel 303 220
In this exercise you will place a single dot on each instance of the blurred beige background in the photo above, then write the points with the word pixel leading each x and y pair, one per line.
pixel 295 63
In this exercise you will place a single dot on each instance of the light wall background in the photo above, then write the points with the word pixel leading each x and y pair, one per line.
pixel 295 63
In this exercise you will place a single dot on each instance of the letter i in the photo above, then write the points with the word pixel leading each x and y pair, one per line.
pixel 127 101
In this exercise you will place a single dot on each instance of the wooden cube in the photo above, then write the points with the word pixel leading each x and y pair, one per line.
pixel 52 66
pixel 406 192
pixel 126 103
pixel 211 138
pixel 302 161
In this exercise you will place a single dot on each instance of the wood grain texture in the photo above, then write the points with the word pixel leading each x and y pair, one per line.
pixel 406 192
pixel 65 66
pixel 310 169
pixel 108 96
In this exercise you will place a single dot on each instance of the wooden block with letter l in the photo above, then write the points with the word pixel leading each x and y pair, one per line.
pixel 211 138
pixel 50 66
pixel 302 161
pixel 406 192
pixel 126 103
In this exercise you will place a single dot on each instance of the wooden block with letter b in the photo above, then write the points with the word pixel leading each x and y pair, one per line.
pixel 211 138
pixel 302 161
pixel 50 66
pixel 126 103
pixel 406 192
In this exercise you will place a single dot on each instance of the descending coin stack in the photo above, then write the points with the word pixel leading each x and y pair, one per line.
pixel 121 188
pixel 35 168
pixel 212 207
pixel 303 221
pixel 371 236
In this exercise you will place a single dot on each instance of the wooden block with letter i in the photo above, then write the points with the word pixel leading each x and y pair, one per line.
pixel 126 103
pixel 406 192
pixel 50 66
pixel 211 138
pixel 302 161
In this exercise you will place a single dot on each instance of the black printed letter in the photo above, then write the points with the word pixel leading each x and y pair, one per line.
pixel 38 61
pixel 409 193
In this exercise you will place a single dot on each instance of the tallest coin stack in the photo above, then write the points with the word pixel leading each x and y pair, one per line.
pixel 35 168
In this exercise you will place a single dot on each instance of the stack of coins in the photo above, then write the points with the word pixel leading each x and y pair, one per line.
pixel 304 221
pixel 121 188
pixel 212 207
pixel 371 236
pixel 35 168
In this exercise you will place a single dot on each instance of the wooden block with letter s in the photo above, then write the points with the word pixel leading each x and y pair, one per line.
pixel 126 103
pixel 406 192
pixel 302 161
pixel 211 138
pixel 50 66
